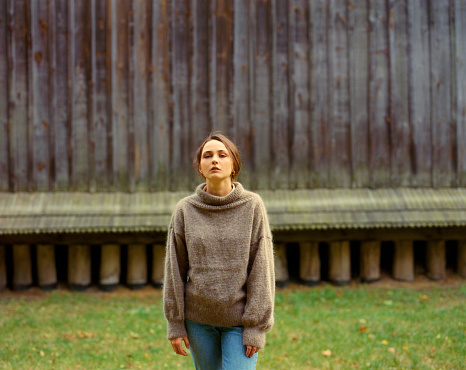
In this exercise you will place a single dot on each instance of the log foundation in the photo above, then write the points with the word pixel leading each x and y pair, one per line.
pixel 370 261
pixel 339 271
pixel 22 267
pixel 461 264
pixel 282 277
pixel 79 267
pixel 309 263
pixel 403 261
pixel 158 261
pixel 3 278
pixel 136 277
pixel 436 260
pixel 46 267
pixel 109 275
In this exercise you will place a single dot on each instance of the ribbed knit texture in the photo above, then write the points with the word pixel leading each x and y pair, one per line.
pixel 219 264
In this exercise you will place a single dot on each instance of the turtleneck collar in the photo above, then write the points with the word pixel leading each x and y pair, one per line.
pixel 213 200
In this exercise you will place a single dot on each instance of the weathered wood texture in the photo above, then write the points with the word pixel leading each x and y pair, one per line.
pixel 110 258
pixel 403 261
pixel 79 266
pixel 370 260
pixel 46 267
pixel 158 260
pixel 339 269
pixel 115 95
pixel 22 266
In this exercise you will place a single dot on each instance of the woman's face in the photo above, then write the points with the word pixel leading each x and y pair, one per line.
pixel 216 163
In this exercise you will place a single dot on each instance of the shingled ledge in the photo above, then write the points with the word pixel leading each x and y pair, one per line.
pixel 319 209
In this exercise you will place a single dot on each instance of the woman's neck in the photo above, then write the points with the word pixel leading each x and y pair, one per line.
pixel 219 189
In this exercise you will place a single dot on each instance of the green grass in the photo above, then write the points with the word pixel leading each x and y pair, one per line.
pixel 361 326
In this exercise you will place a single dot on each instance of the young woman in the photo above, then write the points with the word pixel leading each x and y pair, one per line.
pixel 219 284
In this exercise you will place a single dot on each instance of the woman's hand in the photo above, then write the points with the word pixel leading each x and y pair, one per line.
pixel 251 350
pixel 176 344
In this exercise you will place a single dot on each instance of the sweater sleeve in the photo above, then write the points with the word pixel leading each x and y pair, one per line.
pixel 258 313
pixel 176 267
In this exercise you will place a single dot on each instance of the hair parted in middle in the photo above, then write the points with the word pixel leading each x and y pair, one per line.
pixel 231 147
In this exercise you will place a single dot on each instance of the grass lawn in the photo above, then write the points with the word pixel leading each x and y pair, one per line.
pixel 324 327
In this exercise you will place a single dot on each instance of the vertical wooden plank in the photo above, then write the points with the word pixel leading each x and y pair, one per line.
pixel 52 84
pixel 299 92
pixel 461 259
pixel 159 89
pixel 158 259
pixel 180 154
pixel 241 88
pixel 379 120
pixel 136 276
pixel 319 94
pixel 281 94
pixel 4 160
pixel 199 77
pixel 220 38
pixel 122 140
pixel 131 51
pixel 442 125
pixel 340 140
pixel 459 10
pixel 92 95
pixel 60 114
pixel 282 277
pixel 98 103
pixel 79 89
pixel 261 96
pixel 39 95
pixel 358 31
pixel 399 104
pixel 17 94
pixel 111 64
pixel 419 95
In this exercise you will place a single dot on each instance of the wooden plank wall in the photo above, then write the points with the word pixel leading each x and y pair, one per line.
pixel 115 95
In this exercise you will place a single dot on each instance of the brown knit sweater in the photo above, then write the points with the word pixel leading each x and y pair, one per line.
pixel 219 264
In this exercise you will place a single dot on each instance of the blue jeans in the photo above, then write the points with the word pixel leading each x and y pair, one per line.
pixel 218 347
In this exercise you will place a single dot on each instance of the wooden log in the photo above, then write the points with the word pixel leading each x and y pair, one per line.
pixel 282 277
pixel 46 268
pixel 339 271
pixel 309 263
pixel 436 259
pixel 79 266
pixel 109 267
pixel 370 261
pixel 136 274
pixel 3 276
pixel 403 261
pixel 22 267
pixel 461 264
pixel 158 259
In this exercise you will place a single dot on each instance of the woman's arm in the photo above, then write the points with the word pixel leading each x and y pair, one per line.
pixel 176 267
pixel 258 313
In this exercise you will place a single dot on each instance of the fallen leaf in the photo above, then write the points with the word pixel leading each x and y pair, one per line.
pixel 42 354
pixel 405 346
pixel 362 329
pixel 295 339
pixel 327 353
pixel 424 297
pixel 133 335
pixel 388 302
pixel 385 342
pixel 391 350
pixel 146 355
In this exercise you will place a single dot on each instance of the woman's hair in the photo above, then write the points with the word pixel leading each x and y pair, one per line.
pixel 232 150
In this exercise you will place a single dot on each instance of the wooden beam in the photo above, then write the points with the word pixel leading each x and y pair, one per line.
pixel 46 268
pixel 370 261
pixel 22 267
pixel 79 266
pixel 461 264
pixel 282 277
pixel 158 261
pixel 136 274
pixel 403 261
pixel 309 263
pixel 3 275
pixel 339 271
pixel 436 260
pixel 109 267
